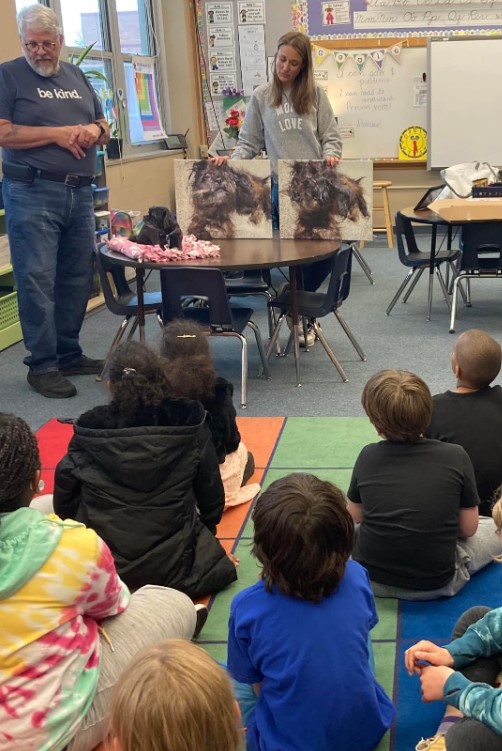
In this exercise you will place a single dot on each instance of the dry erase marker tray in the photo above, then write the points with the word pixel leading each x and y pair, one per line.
pixel 487 191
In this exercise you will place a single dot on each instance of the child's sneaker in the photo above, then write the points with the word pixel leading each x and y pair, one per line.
pixel 202 613
pixel 436 743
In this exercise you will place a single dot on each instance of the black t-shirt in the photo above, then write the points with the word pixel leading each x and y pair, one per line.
pixel 411 495
pixel 26 98
pixel 474 421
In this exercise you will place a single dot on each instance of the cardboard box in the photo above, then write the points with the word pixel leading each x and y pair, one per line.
pixel 467 209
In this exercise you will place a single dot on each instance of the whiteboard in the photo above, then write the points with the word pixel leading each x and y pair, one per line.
pixel 465 101
pixel 374 106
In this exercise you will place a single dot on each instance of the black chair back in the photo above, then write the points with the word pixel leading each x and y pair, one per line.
pixel 179 283
pixel 339 283
pixel 482 246
pixel 119 303
pixel 406 241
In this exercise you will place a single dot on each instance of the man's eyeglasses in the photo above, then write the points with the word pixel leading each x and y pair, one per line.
pixel 46 46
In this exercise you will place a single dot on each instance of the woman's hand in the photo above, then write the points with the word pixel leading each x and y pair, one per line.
pixel 426 651
pixel 433 680
pixel 219 160
pixel 332 161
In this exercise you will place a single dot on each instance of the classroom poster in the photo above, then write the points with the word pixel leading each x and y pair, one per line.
pixel 219 13
pixel 335 14
pixel 146 92
pixel 252 54
pixel 251 12
pixel 222 59
pixel 220 36
pixel 220 81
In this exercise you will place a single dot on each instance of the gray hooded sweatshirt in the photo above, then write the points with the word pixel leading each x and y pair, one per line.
pixel 284 133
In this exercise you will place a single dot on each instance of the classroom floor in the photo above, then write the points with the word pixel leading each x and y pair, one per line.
pixel 327 447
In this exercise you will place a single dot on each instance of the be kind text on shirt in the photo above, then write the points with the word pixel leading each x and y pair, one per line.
pixel 58 94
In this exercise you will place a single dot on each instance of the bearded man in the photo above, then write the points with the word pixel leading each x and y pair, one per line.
pixel 50 124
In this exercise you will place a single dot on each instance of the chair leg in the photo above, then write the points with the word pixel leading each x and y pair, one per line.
pixel 444 289
pixel 116 341
pixel 362 263
pixel 454 304
pixel 329 351
pixel 413 284
pixel 398 293
pixel 345 326
pixel 244 372
pixel 259 343
pixel 275 335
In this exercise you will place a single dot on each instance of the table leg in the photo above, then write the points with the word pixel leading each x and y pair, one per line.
pixel 431 268
pixel 293 286
pixel 140 278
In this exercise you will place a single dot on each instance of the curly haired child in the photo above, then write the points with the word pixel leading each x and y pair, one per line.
pixel 190 373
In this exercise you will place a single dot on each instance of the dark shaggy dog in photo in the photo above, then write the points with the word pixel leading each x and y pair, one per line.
pixel 219 192
pixel 159 228
pixel 323 197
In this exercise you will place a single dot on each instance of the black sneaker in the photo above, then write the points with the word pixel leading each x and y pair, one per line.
pixel 202 613
pixel 82 366
pixel 52 385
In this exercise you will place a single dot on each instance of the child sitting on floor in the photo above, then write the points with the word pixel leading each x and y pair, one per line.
pixel 191 375
pixel 68 623
pixel 465 674
pixel 174 696
pixel 142 471
pixel 300 636
pixel 471 414
pixel 415 499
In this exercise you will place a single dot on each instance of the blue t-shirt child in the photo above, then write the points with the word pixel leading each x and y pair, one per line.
pixel 312 660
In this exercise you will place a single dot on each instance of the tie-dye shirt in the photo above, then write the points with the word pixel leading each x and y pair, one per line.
pixel 476 700
pixel 57 581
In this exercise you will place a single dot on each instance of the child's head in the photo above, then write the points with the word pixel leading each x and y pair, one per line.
pixel 399 405
pixel 189 365
pixel 19 463
pixel 303 536
pixel 476 359
pixel 174 696
pixel 137 377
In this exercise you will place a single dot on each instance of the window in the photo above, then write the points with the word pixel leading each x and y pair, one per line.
pixel 125 58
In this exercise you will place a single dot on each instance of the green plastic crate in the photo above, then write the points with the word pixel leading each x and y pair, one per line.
pixel 9 313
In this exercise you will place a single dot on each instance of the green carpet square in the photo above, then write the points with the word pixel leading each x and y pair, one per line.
pixel 311 442
pixel 386 627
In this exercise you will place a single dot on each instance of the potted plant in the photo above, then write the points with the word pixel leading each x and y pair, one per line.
pixel 114 146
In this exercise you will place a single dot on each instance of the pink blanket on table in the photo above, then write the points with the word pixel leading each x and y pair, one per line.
pixel 190 250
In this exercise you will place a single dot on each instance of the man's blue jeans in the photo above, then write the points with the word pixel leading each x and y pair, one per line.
pixel 51 237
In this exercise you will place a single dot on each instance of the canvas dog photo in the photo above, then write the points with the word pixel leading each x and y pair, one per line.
pixel 216 203
pixel 319 202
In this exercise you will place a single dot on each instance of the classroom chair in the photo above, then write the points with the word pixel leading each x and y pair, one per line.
pixel 481 258
pixel 417 261
pixel 218 317
pixel 122 301
pixel 314 305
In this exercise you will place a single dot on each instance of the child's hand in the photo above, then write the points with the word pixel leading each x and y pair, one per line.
pixel 234 559
pixel 426 651
pixel 433 680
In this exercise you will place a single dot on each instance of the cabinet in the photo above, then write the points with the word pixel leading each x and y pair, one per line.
pixel 10 327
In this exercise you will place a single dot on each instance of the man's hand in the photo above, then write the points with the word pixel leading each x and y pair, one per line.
pixel 88 135
pixel 67 137
pixel 332 161
pixel 426 651
pixel 433 680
